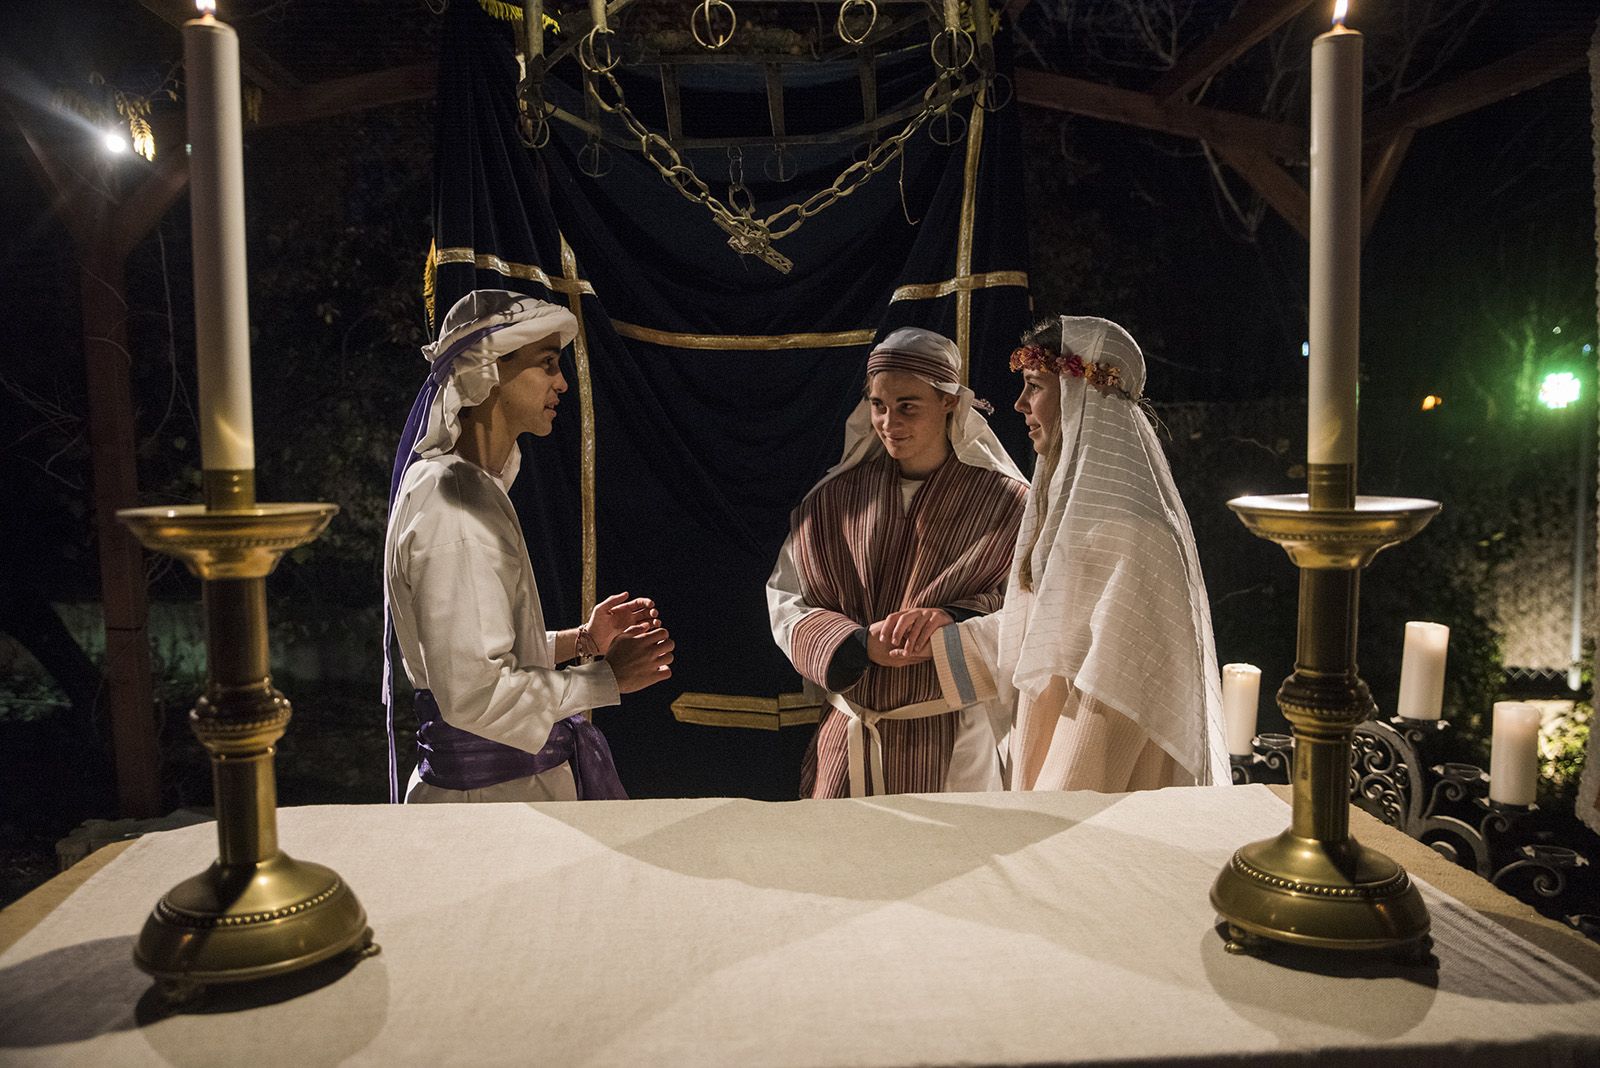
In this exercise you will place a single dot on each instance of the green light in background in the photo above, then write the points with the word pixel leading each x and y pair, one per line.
pixel 1560 389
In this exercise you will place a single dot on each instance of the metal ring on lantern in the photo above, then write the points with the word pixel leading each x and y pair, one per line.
pixel 778 167
pixel 533 132
pixel 533 116
pixel 943 122
pixel 594 159
pixel 997 94
pixel 709 40
pixel 872 21
pixel 589 54
pixel 958 39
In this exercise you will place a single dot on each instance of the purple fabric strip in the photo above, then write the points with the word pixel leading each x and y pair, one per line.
pixel 404 456
pixel 454 759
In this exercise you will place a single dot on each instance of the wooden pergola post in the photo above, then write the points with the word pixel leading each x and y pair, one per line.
pixel 106 226
pixel 105 229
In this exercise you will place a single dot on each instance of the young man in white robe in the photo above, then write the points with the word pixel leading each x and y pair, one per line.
pixel 1104 646
pixel 497 719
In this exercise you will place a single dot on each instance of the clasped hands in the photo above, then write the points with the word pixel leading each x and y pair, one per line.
pixel 629 634
pixel 902 638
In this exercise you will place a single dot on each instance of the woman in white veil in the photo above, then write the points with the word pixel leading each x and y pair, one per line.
pixel 1104 646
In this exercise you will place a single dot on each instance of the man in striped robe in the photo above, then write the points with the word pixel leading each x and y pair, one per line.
pixel 912 530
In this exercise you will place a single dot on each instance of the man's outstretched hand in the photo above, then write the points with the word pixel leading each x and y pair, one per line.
pixel 613 616
pixel 641 656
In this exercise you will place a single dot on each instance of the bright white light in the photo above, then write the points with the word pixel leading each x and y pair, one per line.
pixel 1305 349
pixel 115 143
pixel 1560 389
pixel 1555 330
pixel 1341 8
pixel 206 7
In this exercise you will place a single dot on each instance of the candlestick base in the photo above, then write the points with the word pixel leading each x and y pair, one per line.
pixel 1314 885
pixel 255 912
pixel 1329 895
pixel 234 923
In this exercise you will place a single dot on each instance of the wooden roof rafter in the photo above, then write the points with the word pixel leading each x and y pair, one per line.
pixel 255 64
pixel 1133 107
pixel 1252 22
pixel 1545 61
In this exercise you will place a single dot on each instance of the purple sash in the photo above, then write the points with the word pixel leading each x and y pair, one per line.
pixel 454 759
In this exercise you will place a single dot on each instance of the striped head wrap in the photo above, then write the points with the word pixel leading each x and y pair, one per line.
pixel 931 357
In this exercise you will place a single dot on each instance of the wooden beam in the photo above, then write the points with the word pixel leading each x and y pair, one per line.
pixel 1252 21
pixel 1275 185
pixel 1130 107
pixel 341 96
pixel 112 443
pixel 72 200
pixel 1544 62
pixel 139 212
pixel 1381 169
pixel 254 63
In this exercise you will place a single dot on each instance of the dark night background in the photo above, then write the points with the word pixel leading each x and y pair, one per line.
pixel 1478 278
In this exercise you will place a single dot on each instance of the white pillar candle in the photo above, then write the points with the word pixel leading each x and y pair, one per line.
pixel 216 201
pixel 1422 671
pixel 1335 319
pixel 1514 753
pixel 1241 693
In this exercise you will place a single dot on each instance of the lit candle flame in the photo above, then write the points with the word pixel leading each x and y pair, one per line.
pixel 209 7
pixel 1341 8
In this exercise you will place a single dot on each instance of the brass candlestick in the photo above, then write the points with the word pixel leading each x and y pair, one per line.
pixel 1313 884
pixel 256 912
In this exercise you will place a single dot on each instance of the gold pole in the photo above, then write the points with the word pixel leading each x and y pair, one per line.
pixel 255 912
pixel 1314 885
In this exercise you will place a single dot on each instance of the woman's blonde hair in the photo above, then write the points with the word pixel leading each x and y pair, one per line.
pixel 1046 334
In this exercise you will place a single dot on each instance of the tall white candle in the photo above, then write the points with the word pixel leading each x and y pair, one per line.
pixel 216 200
pixel 1241 693
pixel 1335 321
pixel 1514 753
pixel 597 13
pixel 1422 670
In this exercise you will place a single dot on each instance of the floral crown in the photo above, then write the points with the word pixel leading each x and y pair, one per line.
pixel 1102 376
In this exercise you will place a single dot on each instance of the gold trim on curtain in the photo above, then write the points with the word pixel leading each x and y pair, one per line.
pixel 527 272
pixel 744 342
pixel 987 280
pixel 737 710
pixel 969 209
pixel 575 287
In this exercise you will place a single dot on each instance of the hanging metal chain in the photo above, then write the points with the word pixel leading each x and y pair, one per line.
pixel 748 234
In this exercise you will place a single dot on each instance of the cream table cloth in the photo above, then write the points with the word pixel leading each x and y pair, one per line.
pixel 943 929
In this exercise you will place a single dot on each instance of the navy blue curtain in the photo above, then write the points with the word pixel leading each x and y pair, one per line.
pixel 700 453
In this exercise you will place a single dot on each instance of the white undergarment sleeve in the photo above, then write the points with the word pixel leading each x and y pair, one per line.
pixel 467 613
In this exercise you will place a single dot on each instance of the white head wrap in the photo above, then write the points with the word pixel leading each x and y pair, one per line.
pixel 935 359
pixel 481 327
pixel 1119 605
